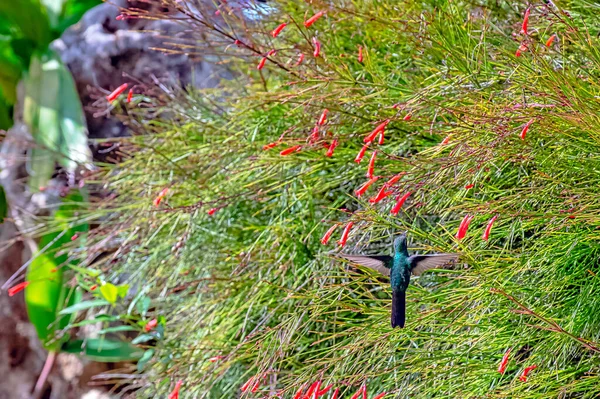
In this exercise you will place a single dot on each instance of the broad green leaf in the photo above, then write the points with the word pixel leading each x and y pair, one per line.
pixel 122 290
pixel 104 350
pixel 84 306
pixel 116 329
pixel 148 354
pixel 72 11
pixel 46 294
pixel 30 18
pixel 53 113
pixel 110 292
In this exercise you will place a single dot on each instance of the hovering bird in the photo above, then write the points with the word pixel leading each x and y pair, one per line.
pixel 399 268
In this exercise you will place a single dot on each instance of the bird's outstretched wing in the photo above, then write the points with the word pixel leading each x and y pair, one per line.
pixel 420 263
pixel 375 262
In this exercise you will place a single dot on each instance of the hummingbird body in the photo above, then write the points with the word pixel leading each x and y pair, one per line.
pixel 399 267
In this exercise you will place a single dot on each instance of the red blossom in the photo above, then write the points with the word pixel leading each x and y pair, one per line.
pixel 324 390
pixel 361 391
pixel 381 137
pixel 175 393
pixel 371 167
pixel 15 289
pixel 313 389
pixel 525 22
pixel 271 52
pixel 323 117
pixel 380 396
pixel 300 59
pixel 488 229
pixel 160 196
pixel 288 151
pixel 313 19
pixel 550 40
pixel 93 287
pixel 328 234
pixel 270 145
pixel 216 358
pixel 118 91
pixel 463 227
pixel 332 146
pixel 129 96
pixel 237 43
pixel 249 383
pixel 394 179
pixel 317 47
pixel 335 393
pixel 299 393
pixel 361 190
pixel 380 195
pixel 469 186
pixel 446 140
pixel 212 211
pixel 74 237
pixel 361 153
pixel 407 117
pixel 261 64
pixel 360 54
pixel 399 203
pixel 523 376
pixel 150 325
pixel 525 129
pixel 345 234
pixel 504 361
pixel 278 30
pixel 379 129
pixel 520 50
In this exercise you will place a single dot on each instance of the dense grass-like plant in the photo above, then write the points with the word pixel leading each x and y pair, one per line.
pixel 231 256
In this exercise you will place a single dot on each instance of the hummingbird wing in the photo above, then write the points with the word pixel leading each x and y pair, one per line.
pixel 421 263
pixel 376 262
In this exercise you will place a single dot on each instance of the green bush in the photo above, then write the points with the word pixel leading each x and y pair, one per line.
pixel 232 259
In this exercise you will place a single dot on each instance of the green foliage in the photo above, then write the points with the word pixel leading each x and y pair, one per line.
pixel 104 350
pixel 252 283
pixel 47 293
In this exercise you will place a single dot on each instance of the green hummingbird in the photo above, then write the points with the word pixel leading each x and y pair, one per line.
pixel 399 268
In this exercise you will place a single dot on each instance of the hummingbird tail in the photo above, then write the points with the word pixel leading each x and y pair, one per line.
pixel 398 308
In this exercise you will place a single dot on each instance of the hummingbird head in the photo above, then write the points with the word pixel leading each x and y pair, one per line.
pixel 400 243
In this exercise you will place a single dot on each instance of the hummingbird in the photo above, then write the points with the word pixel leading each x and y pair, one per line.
pixel 399 268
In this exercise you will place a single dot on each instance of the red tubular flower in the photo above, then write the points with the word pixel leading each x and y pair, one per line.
pixel 394 180
pixel 407 117
pixel 525 129
pixel 446 140
pixel 15 289
pixel 381 137
pixel 361 190
pixel 313 19
pixel 361 391
pixel 360 54
pixel 323 117
pixel 312 389
pixel 317 47
pixel 332 146
pixel 361 153
pixel 371 167
pixel 278 30
pixel 271 52
pixel 237 43
pixel 160 196
pixel 324 390
pixel 270 145
pixel 215 359
pixel 520 50
pixel 74 237
pixel 335 393
pixel 175 393
pixel 299 393
pixel 504 361
pixel 464 226
pixel 550 40
pixel 328 234
pixel 150 325
pixel 488 229
pixel 93 287
pixel 469 186
pixel 211 211
pixel 300 59
pixel 118 91
pixel 380 396
pixel 523 376
pixel 261 64
pixel 288 151
pixel 379 129
pixel 345 234
pixel 315 133
pixel 399 203
pixel 248 383
pixel 525 22
pixel 129 96
pixel 380 195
